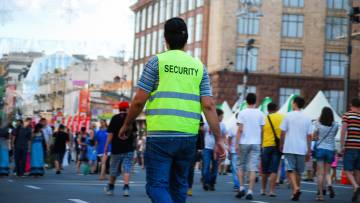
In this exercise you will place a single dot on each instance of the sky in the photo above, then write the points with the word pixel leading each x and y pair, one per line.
pixel 93 27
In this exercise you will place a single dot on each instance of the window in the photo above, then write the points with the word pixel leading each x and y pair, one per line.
pixel 336 100
pixel 168 9
pixel 199 26
pixel 183 6
pixel 148 44
pixel 162 11
pixel 336 27
pixel 199 3
pixel 143 19
pixel 161 41
pixel 136 50
pixel 137 21
pixel 191 5
pixel 190 25
pixel 285 93
pixel 190 52
pixel 248 24
pixel 292 25
pixel 136 72
pixel 197 53
pixel 293 3
pixel 142 46
pixel 335 64
pixel 141 68
pixel 175 11
pixel 337 4
pixel 250 89
pixel 154 43
pixel 149 18
pixel 241 57
pixel 290 61
pixel 156 14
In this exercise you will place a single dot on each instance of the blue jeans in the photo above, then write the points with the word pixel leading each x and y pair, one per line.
pixel 167 162
pixel 210 167
pixel 234 169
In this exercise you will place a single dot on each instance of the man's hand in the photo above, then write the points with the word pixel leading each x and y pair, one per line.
pixel 219 151
pixel 122 133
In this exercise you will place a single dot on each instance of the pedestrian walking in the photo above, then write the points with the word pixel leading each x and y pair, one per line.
pixel 233 158
pixel 175 87
pixel 4 150
pixel 100 142
pixel 210 161
pixel 271 154
pixel 295 144
pixel 83 148
pixel 122 150
pixel 21 141
pixel 91 151
pixel 250 122
pixel 61 139
pixel 38 150
pixel 324 134
pixel 350 146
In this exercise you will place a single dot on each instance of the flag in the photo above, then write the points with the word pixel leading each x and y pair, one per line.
pixel 264 103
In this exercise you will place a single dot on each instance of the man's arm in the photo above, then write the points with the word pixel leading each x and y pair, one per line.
pixel 238 134
pixel 209 109
pixel 343 136
pixel 108 141
pixel 137 105
pixel 282 139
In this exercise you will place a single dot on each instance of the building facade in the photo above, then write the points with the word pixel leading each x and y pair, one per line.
pixel 299 45
pixel 150 16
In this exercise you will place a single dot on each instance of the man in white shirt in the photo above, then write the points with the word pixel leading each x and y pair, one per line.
pixel 210 162
pixel 233 156
pixel 295 143
pixel 250 121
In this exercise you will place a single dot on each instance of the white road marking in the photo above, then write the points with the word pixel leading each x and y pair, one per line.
pixel 335 186
pixel 77 200
pixel 310 191
pixel 88 184
pixel 10 181
pixel 258 202
pixel 33 187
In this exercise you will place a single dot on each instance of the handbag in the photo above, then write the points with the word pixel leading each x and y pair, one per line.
pixel 317 144
pixel 276 139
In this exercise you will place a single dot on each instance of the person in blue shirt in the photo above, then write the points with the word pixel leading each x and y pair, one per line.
pixel 100 140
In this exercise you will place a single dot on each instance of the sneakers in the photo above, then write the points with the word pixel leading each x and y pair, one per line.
pixel 58 172
pixel 206 187
pixel 240 194
pixel 355 195
pixel 331 192
pixel 249 196
pixel 126 191
pixel 108 190
pixel 189 192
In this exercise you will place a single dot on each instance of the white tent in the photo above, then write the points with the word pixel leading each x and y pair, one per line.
pixel 313 110
pixel 227 110
pixel 285 107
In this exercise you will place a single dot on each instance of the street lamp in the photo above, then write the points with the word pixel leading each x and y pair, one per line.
pixel 249 45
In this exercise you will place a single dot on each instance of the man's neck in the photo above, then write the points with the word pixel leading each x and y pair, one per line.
pixel 357 110
pixel 251 106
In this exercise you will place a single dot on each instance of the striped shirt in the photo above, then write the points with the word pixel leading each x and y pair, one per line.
pixel 352 119
pixel 149 82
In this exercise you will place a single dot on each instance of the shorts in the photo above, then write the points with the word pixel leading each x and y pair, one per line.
pixel 249 157
pixel 295 162
pixel 270 160
pixel 59 156
pixel 325 155
pixel 352 160
pixel 124 159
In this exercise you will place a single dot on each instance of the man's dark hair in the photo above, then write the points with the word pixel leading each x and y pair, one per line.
pixel 61 127
pixel 251 98
pixel 299 101
pixel 42 119
pixel 355 102
pixel 28 119
pixel 175 32
pixel 219 112
pixel 83 129
pixel 272 107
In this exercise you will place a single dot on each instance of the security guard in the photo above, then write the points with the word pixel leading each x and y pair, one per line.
pixel 176 88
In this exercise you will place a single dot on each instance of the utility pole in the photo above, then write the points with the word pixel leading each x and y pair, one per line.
pixel 248 47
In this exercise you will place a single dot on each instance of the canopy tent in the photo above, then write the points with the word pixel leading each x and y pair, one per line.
pixel 227 110
pixel 287 106
pixel 313 110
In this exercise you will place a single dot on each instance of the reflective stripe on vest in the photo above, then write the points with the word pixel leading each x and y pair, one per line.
pixel 175 104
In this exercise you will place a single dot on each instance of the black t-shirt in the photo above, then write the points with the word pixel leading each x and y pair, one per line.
pixel 119 146
pixel 60 142
pixel 22 137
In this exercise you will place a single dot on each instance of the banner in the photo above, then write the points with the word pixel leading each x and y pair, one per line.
pixel 84 101
pixel 75 124
pixel 69 122
pixel 81 122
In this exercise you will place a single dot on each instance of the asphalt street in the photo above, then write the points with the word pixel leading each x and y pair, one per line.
pixel 69 187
